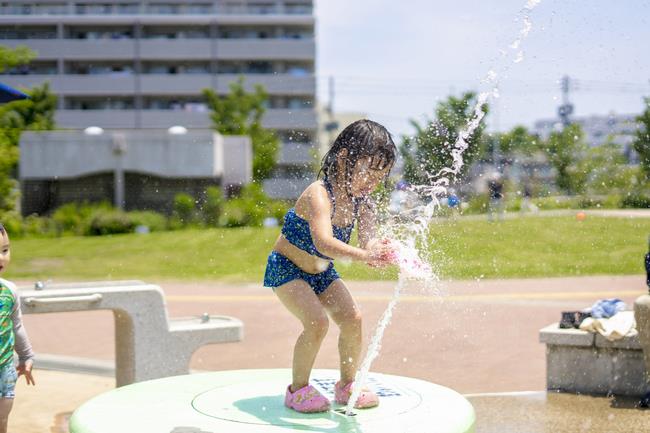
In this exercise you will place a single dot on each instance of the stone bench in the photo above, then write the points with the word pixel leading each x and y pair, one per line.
pixel 583 362
pixel 148 344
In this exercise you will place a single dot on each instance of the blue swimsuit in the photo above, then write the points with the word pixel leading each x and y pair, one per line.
pixel 280 270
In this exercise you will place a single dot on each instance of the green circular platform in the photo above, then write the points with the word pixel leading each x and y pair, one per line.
pixel 252 401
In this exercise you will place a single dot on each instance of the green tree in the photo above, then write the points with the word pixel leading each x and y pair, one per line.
pixel 565 151
pixel 608 170
pixel 430 149
pixel 518 141
pixel 642 141
pixel 34 114
pixel 240 113
pixel 12 57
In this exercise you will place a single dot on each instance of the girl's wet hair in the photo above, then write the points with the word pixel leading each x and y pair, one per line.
pixel 362 139
pixel 2 229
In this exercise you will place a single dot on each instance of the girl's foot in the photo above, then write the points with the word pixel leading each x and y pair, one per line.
pixel 367 398
pixel 306 400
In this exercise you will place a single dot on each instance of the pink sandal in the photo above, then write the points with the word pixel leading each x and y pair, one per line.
pixel 306 400
pixel 367 398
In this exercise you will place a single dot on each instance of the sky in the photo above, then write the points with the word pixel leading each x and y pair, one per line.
pixel 394 60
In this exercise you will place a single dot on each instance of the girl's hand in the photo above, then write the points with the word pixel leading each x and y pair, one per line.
pixel 26 369
pixel 381 253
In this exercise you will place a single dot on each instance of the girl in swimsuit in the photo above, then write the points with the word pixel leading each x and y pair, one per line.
pixel 316 231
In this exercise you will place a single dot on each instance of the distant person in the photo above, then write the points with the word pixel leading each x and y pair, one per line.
pixel 12 337
pixel 400 199
pixel 526 194
pixel 300 269
pixel 495 196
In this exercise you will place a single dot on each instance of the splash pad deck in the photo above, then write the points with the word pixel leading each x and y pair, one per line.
pixel 247 401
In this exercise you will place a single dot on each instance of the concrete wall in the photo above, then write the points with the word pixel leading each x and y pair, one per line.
pixel 57 167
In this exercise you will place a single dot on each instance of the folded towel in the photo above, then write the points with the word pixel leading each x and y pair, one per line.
pixel 616 327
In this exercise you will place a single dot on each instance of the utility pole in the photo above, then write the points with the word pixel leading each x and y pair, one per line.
pixel 497 139
pixel 331 125
pixel 566 109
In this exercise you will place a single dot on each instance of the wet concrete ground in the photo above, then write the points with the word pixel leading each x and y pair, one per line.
pixel 542 412
pixel 477 337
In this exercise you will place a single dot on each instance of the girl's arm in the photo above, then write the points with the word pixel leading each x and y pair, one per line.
pixel 367 222
pixel 22 345
pixel 320 225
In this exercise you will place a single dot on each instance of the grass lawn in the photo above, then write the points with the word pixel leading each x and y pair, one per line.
pixel 464 248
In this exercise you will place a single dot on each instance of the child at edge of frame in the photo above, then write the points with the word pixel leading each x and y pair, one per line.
pixel 12 337
pixel 316 231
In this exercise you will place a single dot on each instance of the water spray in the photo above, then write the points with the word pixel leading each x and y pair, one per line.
pixel 408 257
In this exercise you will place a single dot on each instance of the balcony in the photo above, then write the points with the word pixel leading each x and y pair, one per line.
pixel 73 49
pixel 286 188
pixel 294 153
pixel 79 119
pixel 265 49
pixel 94 85
pixel 161 84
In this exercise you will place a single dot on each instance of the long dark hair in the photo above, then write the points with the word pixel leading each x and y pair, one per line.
pixel 362 139
pixel 2 229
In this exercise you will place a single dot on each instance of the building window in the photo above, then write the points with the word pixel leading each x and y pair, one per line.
pixel 127 8
pixel 261 8
pixel 241 32
pixel 297 33
pixel 99 33
pixel 176 68
pixel 198 8
pixel 298 70
pixel 299 103
pixel 99 103
pixel 99 68
pixel 162 8
pixel 94 9
pixel 295 136
pixel 187 104
pixel 175 32
pixel 257 8
pixel 34 68
pixel 19 32
pixel 298 9
pixel 33 8
pixel 244 67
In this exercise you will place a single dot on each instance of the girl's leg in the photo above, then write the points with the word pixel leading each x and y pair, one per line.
pixel 5 407
pixel 302 302
pixel 346 314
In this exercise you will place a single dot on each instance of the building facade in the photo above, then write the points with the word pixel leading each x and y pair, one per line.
pixel 617 128
pixel 142 64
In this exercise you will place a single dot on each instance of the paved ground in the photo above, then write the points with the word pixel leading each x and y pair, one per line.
pixel 472 336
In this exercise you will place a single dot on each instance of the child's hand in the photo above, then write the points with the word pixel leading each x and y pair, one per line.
pixel 381 253
pixel 26 369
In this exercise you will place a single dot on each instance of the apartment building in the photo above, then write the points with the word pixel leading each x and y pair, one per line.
pixel 142 64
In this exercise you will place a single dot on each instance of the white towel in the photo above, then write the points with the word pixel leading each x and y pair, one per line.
pixel 620 325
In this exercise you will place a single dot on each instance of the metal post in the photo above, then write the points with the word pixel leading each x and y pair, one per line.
pixel 119 149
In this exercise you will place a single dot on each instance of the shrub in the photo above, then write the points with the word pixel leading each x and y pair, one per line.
pixel 477 204
pixel 76 217
pixel 251 208
pixel 184 208
pixel 213 206
pixel 635 200
pixel 155 221
pixel 110 222
pixel 12 223
pixel 39 226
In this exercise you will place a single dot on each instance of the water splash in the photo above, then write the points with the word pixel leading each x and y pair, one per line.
pixel 409 257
